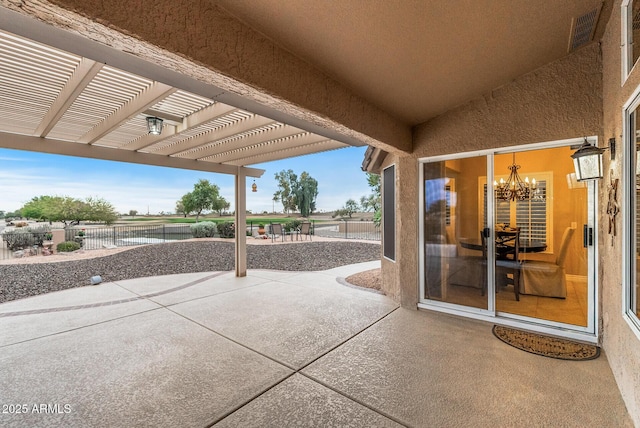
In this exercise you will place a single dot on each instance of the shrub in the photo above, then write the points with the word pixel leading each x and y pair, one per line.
pixel 21 224
pixel 291 225
pixel 67 246
pixel 227 229
pixel 40 233
pixel 204 229
pixel 19 239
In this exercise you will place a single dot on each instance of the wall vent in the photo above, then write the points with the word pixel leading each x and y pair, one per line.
pixel 582 28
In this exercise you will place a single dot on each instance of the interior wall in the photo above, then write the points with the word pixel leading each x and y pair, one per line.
pixel 622 346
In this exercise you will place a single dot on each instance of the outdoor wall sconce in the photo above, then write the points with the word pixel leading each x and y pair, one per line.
pixel 154 125
pixel 587 160
pixel 254 186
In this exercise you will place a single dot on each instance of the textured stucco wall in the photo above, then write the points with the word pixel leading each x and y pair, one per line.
pixel 205 42
pixel 558 101
pixel 620 343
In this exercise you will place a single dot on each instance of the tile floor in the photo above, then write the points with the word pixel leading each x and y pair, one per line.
pixel 276 349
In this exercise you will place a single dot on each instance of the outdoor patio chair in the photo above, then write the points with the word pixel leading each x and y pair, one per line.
pixel 305 229
pixel 276 231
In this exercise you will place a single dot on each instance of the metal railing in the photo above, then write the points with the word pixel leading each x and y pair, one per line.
pixel 93 238
pixel 365 230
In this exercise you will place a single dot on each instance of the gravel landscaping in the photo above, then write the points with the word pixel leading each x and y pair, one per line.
pixel 18 281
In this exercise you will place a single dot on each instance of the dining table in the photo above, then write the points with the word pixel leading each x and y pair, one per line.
pixel 526 246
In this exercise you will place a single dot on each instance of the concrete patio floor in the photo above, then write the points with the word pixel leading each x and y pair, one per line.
pixel 276 349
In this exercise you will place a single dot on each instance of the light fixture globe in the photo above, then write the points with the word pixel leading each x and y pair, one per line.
pixel 587 161
pixel 154 125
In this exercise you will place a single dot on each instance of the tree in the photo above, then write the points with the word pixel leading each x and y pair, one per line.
pixel 348 209
pixel 220 204
pixel 296 193
pixel 205 196
pixel 306 192
pixel 180 207
pixel 370 203
pixel 287 181
pixel 133 213
pixel 69 210
pixel 373 202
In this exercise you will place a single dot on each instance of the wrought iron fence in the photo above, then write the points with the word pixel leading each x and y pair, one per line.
pixel 366 230
pixel 26 243
pixel 93 238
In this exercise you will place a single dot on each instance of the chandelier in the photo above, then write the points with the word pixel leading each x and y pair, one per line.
pixel 514 188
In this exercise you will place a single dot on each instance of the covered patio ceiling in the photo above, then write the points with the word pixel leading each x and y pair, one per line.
pixel 55 101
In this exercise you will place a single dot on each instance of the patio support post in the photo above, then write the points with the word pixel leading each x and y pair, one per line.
pixel 241 223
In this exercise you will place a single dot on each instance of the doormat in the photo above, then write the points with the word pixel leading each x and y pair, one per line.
pixel 546 346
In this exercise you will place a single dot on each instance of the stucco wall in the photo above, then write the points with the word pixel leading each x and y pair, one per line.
pixel 558 101
pixel 620 343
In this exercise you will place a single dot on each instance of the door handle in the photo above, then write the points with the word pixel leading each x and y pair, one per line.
pixel 587 236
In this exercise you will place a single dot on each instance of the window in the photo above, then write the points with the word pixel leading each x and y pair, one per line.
pixel 533 215
pixel 389 212
pixel 630 33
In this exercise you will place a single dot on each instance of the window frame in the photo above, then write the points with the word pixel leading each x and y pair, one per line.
pixel 626 39
pixel 629 214
pixel 547 177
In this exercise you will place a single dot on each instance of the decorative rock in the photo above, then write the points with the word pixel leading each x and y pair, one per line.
pixel 109 246
pixel 96 279
pixel 18 281
pixel 18 254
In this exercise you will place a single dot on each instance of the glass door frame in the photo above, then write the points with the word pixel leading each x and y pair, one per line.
pixel 588 333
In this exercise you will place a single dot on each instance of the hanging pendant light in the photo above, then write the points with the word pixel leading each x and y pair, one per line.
pixel 587 161
pixel 154 125
pixel 254 186
pixel 514 188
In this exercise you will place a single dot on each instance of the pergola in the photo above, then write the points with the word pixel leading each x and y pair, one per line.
pixel 62 94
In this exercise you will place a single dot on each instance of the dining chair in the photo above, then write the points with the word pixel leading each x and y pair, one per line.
pixel 548 279
pixel 508 258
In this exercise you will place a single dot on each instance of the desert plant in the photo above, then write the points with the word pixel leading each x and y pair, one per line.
pixel 21 224
pixel 205 229
pixel 67 247
pixel 227 229
pixel 40 233
pixel 19 239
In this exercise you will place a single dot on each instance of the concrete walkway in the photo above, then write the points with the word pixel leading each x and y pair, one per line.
pixel 276 349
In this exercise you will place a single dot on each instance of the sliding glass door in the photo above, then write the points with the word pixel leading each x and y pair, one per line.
pixel 509 234
pixel 455 264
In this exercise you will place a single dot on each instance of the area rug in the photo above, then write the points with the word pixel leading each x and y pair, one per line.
pixel 546 346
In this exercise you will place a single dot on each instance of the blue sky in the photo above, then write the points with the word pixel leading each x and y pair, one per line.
pixel 24 175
